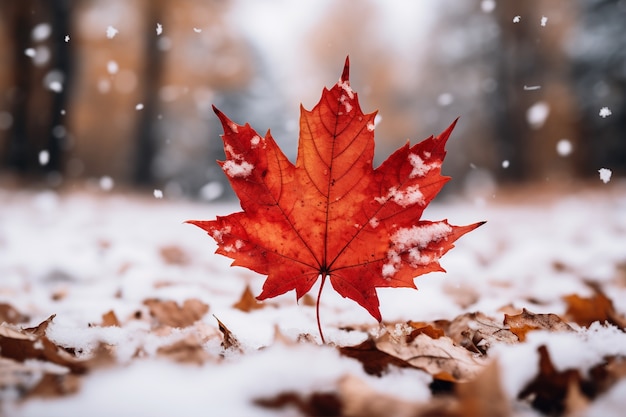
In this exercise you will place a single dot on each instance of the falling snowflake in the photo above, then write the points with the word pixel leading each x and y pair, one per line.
pixel 106 183
pixel 517 19
pixel 111 32
pixel 505 164
pixel 139 106
pixel 605 112
pixel 44 158
pixel 197 30
pixel 158 194
pixel 564 147
pixel 544 20
pixel 605 174
pixel 67 38
pixel 488 5
pixel 159 29
pixel 112 67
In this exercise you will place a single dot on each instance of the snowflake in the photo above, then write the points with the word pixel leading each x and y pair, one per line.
pixel 111 32
pixel 605 112
pixel 517 19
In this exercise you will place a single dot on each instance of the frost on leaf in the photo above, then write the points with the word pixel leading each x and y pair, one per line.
pixel 331 215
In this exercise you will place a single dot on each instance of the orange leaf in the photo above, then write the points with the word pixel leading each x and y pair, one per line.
pixel 332 215
pixel 599 307
pixel 527 321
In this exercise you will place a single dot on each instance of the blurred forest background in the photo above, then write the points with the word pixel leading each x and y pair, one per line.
pixel 122 90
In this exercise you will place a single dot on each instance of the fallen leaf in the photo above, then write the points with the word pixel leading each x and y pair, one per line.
pixel 174 255
pixel 375 361
pixel 586 310
pixel 527 321
pixel 315 404
pixel 248 302
pixel 25 344
pixel 548 390
pixel 331 215
pixel 440 357
pixel 424 328
pixel 477 332
pixel 169 313
pixel 229 341
pixel 109 319
pixel 483 396
pixel 186 350
pixel 9 314
pixel 360 400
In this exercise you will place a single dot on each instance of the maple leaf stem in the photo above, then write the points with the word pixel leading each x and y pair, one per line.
pixel 317 309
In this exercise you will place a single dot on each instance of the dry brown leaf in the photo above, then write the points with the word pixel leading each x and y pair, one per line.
pixel 109 319
pixel 360 400
pixel 483 396
pixel 424 328
pixel 186 350
pixel 174 255
pixel 248 301
pixel 27 344
pixel 586 310
pixel 9 314
pixel 229 340
pixel 315 404
pixel 527 321
pixel 55 385
pixel 575 401
pixel 375 361
pixel 477 332
pixel 169 313
pixel 439 357
pixel 548 390
pixel 40 329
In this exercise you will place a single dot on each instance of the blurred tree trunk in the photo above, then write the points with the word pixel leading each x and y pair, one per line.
pixel 34 107
pixel 532 68
pixel 147 124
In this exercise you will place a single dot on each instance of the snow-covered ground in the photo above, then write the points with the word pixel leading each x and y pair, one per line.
pixel 79 255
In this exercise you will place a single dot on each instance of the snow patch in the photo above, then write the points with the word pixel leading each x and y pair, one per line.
pixel 374 222
pixel 255 140
pixel 345 86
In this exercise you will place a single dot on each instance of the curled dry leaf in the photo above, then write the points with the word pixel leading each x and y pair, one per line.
pixel 483 396
pixel 32 343
pixel 439 357
pixel 169 313
pixel 526 321
pixel 315 404
pixel 229 340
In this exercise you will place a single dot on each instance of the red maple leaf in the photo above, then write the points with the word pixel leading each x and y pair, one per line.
pixel 332 215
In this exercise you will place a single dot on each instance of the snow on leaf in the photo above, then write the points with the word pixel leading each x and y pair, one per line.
pixel 331 216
